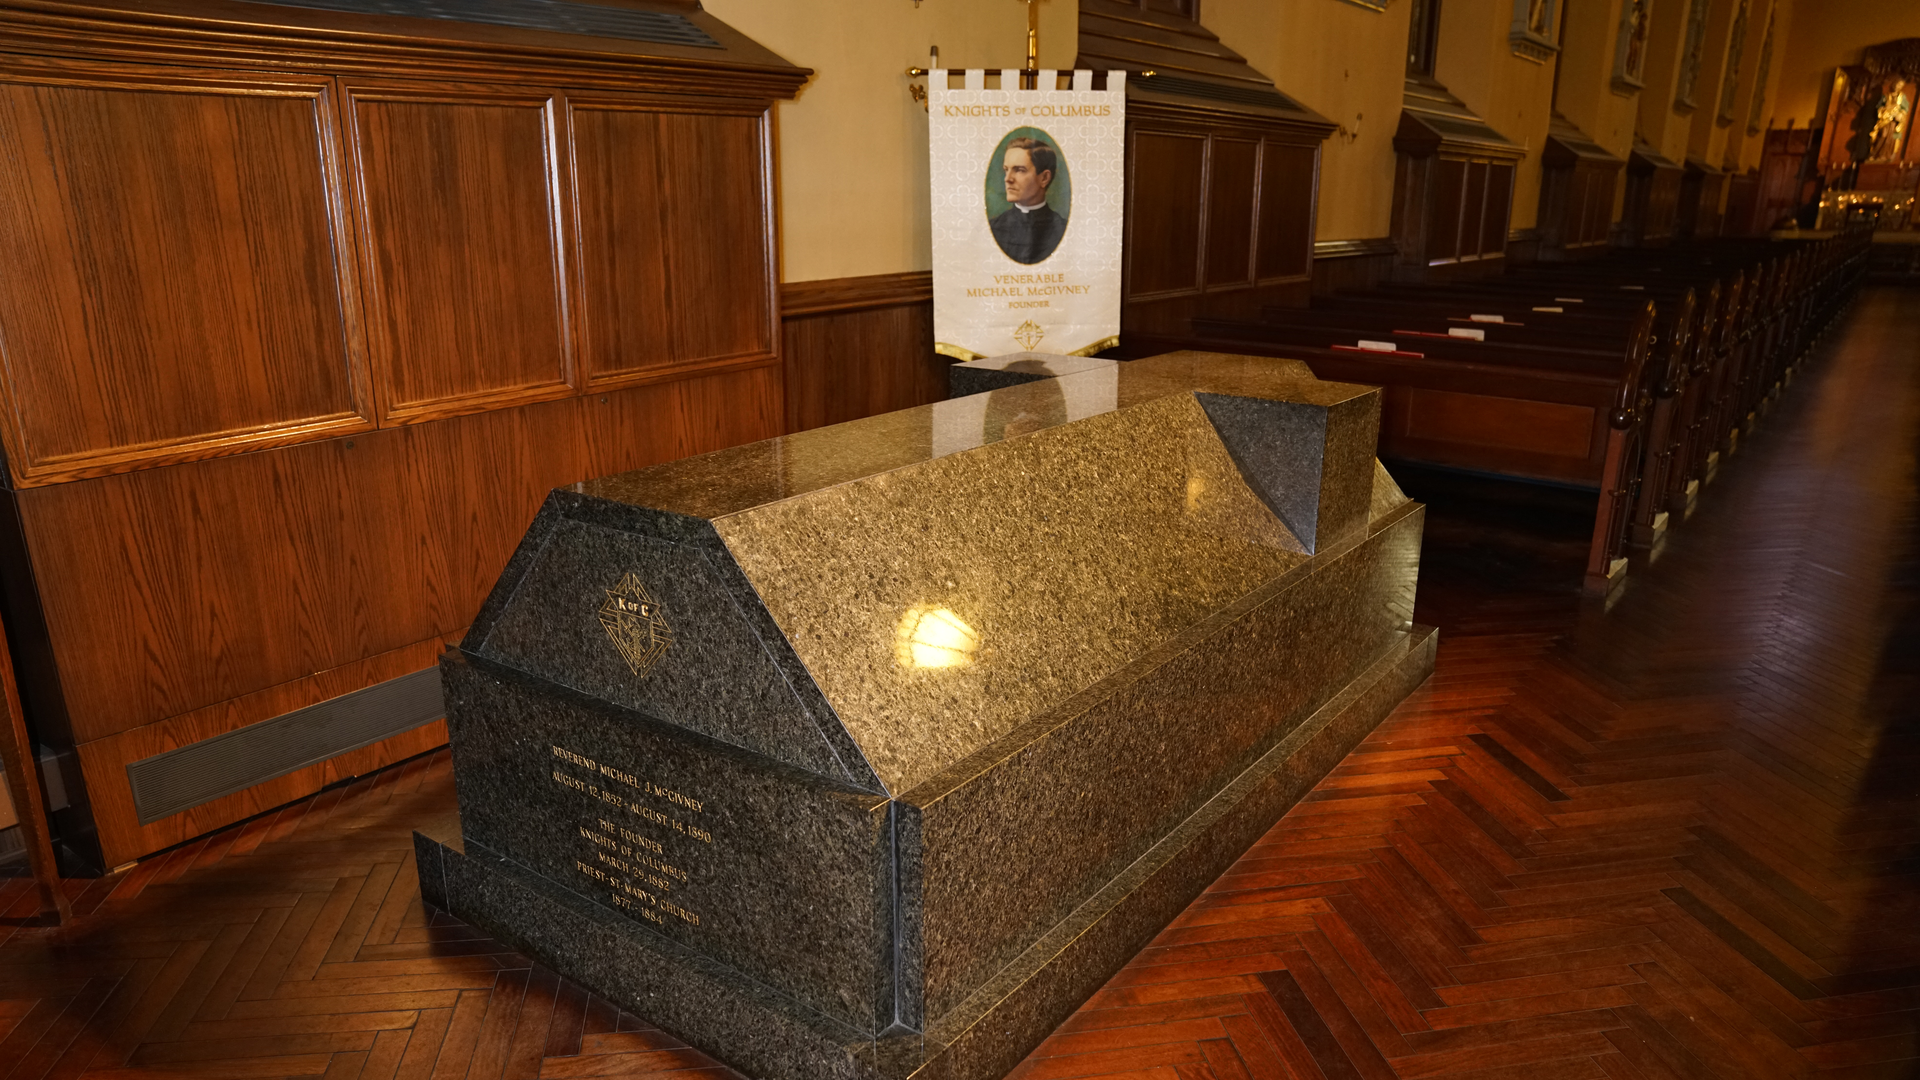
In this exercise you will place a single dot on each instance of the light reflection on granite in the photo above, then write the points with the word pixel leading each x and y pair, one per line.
pixel 1178 534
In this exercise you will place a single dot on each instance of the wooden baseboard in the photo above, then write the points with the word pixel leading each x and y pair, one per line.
pixel 103 762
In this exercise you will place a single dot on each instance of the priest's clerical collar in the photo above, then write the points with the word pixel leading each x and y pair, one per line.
pixel 1030 209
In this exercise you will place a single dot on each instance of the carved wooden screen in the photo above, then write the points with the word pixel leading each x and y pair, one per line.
pixel 1471 204
pixel 1216 222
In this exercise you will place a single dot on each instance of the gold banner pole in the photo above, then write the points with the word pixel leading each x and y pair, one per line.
pixel 1030 78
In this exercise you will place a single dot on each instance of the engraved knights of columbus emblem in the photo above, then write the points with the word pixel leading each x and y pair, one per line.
pixel 1029 334
pixel 633 620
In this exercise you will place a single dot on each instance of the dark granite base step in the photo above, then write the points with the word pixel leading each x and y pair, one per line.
pixel 766 1035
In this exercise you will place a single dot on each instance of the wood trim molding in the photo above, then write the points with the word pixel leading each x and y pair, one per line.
pixel 197 32
pixel 1351 249
pixel 718 365
pixel 830 295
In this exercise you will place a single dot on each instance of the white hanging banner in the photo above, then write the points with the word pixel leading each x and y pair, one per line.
pixel 1028 190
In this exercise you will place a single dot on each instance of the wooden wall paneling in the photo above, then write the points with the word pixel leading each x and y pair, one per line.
pixel 1221 180
pixel 1687 213
pixel 1496 216
pixel 854 347
pixel 257 572
pixel 668 287
pixel 1711 201
pixel 1449 188
pixel 1232 187
pixel 721 272
pixel 242 573
pixel 625 325
pixel 1567 224
pixel 460 198
pixel 1289 182
pixel 103 762
pixel 1664 204
pixel 1577 225
pixel 1473 210
pixel 1743 200
pixel 1599 219
pixel 1163 207
pixel 193 274
pixel 709 414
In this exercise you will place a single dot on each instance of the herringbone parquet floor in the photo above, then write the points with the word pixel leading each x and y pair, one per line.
pixel 1680 838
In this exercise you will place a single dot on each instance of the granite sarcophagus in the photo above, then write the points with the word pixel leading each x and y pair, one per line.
pixel 873 750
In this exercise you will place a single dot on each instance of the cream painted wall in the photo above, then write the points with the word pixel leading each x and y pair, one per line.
pixel 1587 97
pixel 1825 36
pixel 1346 63
pixel 1705 138
pixel 1752 147
pixel 1736 152
pixel 852 150
pixel 1512 94
pixel 1656 122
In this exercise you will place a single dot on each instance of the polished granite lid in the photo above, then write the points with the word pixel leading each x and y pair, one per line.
pixel 729 481
pixel 876 600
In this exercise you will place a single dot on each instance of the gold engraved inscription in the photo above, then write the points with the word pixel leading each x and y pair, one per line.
pixel 634 867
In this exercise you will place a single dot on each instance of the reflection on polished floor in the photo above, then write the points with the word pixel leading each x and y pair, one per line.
pixel 1676 838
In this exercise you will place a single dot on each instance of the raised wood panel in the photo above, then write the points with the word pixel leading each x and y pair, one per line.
pixel 625 314
pixel 190 267
pixel 459 195
pixel 103 762
pixel 1541 427
pixel 668 285
pixel 1232 176
pixel 720 275
pixel 170 590
pixel 1163 205
pixel 1493 223
pixel 1449 188
pixel 1288 175
pixel 1473 207
pixel 1663 202
pixel 1589 214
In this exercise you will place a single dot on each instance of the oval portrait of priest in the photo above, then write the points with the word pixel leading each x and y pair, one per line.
pixel 1029 195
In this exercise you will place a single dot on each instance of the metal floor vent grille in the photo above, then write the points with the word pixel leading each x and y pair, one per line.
pixel 185 777
pixel 1249 95
pixel 659 27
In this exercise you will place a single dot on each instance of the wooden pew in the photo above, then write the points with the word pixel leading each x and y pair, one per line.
pixel 1573 415
pixel 1689 345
